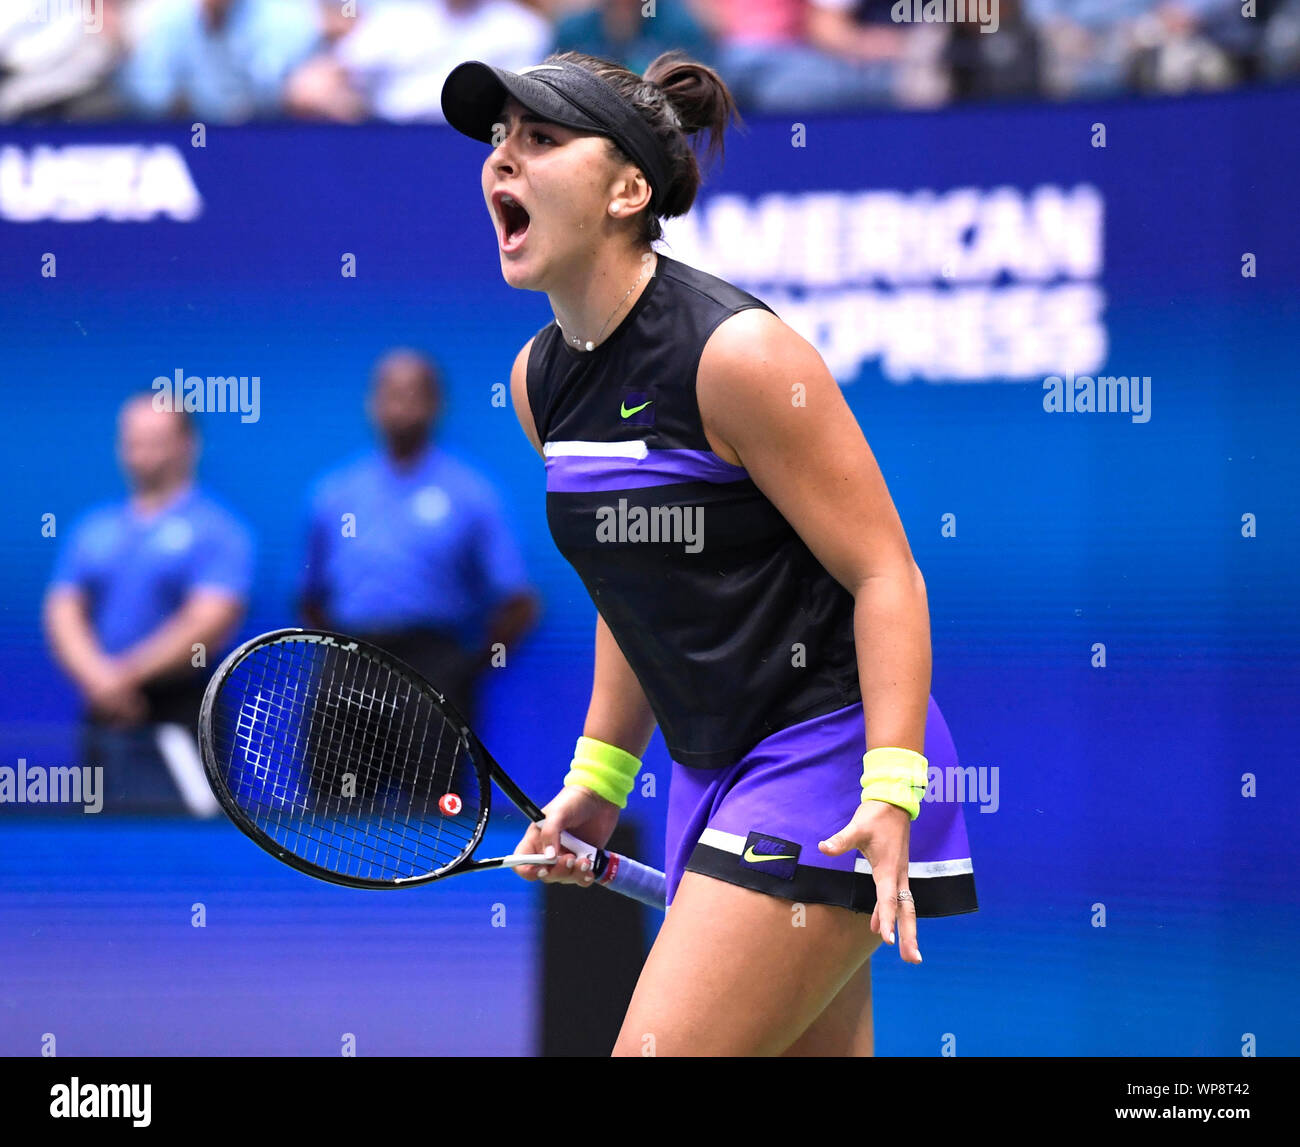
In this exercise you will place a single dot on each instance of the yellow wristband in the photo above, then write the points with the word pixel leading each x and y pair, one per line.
pixel 897 776
pixel 606 770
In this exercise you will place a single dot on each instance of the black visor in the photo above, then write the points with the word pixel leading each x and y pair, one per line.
pixel 565 94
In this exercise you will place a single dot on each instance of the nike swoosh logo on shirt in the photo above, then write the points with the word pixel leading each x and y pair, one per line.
pixel 626 413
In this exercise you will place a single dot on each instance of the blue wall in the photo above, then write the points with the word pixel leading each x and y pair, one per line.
pixel 1118 785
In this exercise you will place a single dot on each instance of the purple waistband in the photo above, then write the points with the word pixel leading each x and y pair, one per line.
pixel 576 473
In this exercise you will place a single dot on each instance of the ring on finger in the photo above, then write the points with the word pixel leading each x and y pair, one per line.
pixel 905 896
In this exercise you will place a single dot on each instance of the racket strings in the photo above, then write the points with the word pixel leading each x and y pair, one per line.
pixel 345 763
pixel 357 717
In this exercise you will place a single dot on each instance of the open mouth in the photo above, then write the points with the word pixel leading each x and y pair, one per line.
pixel 514 220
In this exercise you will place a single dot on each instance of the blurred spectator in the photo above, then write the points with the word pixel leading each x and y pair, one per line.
pixel 616 30
pixel 391 60
pixel 59 63
pixel 1279 47
pixel 1102 47
pixel 235 60
pixel 1004 63
pixel 408 546
pixel 220 61
pixel 865 47
pixel 1086 44
pixel 791 55
pixel 319 87
pixel 137 586
pixel 1172 53
pixel 1241 37
pixel 761 51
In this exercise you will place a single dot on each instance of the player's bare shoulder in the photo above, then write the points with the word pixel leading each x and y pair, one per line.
pixel 750 367
pixel 519 395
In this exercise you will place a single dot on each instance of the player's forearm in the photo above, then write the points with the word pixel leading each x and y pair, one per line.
pixel 619 713
pixel 891 622
pixel 171 648
pixel 72 640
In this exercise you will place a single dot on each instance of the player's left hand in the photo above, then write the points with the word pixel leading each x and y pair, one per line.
pixel 882 832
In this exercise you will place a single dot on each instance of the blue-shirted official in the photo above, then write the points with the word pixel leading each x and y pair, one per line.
pixel 409 547
pixel 145 596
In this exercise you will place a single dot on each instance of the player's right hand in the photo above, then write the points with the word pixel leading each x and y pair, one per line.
pixel 579 812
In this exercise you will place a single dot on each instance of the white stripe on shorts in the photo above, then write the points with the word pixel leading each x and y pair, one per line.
pixel 916 869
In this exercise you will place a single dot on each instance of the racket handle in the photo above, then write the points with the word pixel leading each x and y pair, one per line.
pixel 619 874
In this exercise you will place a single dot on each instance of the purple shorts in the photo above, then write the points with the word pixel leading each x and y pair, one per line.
pixel 757 823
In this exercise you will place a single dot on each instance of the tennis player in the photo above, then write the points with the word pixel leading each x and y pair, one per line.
pixel 756 594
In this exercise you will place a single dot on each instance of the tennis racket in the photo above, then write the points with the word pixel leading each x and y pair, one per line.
pixel 343 762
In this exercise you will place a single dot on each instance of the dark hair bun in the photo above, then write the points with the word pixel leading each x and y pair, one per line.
pixel 698 96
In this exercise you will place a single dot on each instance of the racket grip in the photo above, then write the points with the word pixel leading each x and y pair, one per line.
pixel 630 878
pixel 621 875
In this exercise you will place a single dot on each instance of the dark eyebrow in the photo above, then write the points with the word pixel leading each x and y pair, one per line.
pixel 529 117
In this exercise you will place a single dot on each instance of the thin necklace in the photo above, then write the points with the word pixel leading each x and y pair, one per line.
pixel 588 344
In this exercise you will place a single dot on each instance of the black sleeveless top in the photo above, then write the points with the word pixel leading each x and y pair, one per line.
pixel 731 625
